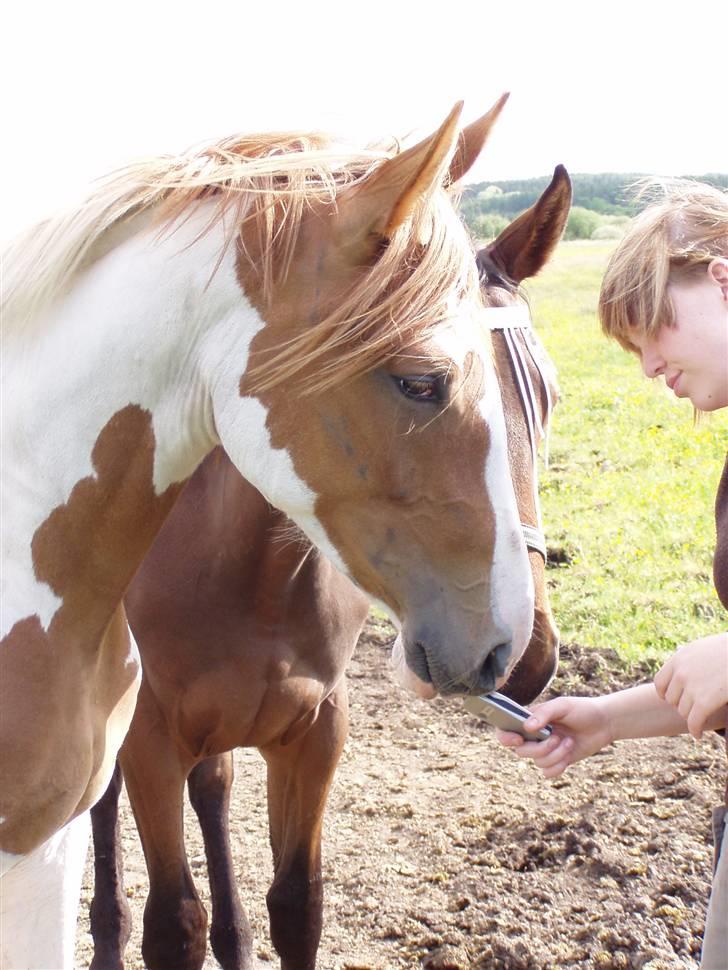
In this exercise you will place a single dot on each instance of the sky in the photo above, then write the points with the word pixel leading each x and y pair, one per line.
pixel 618 87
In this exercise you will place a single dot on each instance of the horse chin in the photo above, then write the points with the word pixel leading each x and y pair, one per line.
pixel 406 677
pixel 501 682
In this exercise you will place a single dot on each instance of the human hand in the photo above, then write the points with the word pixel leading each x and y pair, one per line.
pixel 695 680
pixel 580 728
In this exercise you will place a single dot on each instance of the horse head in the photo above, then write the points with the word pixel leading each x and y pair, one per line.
pixel 381 428
pixel 529 390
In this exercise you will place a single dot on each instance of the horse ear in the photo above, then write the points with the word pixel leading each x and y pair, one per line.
pixel 525 246
pixel 374 210
pixel 472 139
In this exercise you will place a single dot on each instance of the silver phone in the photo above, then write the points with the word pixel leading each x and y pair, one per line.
pixel 503 713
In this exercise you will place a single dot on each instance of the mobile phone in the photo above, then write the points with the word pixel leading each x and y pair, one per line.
pixel 503 713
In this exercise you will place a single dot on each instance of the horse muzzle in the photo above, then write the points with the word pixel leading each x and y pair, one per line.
pixel 421 668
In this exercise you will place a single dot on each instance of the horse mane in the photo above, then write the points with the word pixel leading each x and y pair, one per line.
pixel 271 179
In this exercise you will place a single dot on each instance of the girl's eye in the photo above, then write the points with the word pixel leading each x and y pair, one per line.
pixel 427 388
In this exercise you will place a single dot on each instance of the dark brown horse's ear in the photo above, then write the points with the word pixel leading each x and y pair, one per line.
pixel 472 139
pixel 374 210
pixel 524 247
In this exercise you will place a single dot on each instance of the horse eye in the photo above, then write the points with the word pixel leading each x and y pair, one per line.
pixel 427 388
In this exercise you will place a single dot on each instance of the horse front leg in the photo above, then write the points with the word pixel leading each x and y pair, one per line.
pixel 209 787
pixel 109 914
pixel 39 897
pixel 299 778
pixel 175 921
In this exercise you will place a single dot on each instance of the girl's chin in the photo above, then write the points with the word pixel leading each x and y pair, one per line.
pixel 710 402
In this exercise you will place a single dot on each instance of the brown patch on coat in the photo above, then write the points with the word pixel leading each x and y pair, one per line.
pixel 243 629
pixel 65 690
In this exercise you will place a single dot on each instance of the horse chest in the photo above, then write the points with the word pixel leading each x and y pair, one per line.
pixel 60 733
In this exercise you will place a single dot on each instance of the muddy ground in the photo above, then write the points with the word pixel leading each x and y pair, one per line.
pixel 444 852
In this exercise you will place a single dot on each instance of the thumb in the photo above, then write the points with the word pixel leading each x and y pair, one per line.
pixel 548 712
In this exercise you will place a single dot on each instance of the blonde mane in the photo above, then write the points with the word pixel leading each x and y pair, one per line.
pixel 271 179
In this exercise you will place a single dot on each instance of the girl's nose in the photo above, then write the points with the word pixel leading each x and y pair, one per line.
pixel 652 363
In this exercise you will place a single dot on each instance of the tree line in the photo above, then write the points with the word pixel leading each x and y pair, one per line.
pixel 603 204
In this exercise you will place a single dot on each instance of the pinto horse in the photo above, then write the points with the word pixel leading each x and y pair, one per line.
pixel 312 310
pixel 245 633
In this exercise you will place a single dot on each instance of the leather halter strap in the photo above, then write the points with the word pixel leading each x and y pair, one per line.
pixel 513 322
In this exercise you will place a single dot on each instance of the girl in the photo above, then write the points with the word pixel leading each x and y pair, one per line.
pixel 664 297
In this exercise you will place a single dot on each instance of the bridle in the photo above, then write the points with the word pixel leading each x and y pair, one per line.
pixel 514 322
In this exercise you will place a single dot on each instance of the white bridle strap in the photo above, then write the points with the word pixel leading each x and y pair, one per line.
pixel 535 539
pixel 507 319
pixel 516 317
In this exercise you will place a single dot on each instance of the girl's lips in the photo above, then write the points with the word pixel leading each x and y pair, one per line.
pixel 674 383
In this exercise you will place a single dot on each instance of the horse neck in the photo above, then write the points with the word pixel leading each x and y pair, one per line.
pixel 108 409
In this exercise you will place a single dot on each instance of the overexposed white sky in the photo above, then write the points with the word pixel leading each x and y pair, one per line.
pixel 598 87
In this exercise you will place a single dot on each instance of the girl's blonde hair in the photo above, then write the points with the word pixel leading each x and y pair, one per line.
pixel 684 227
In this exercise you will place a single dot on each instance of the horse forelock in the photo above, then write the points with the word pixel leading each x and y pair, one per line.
pixel 269 181
pixel 422 275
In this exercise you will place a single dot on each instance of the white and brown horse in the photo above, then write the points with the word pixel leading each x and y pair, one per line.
pixel 245 632
pixel 313 312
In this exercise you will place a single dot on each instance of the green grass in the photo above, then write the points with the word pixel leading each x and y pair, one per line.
pixel 630 490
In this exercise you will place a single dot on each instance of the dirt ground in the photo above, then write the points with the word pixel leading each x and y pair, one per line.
pixel 444 852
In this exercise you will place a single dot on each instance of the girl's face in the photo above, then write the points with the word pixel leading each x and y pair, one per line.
pixel 692 356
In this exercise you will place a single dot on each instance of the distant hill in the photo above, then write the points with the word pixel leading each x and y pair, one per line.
pixel 602 202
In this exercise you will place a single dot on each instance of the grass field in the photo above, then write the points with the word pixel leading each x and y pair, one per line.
pixel 628 496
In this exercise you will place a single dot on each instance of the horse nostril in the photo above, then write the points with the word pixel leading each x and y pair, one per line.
pixel 494 667
pixel 418 663
pixel 500 657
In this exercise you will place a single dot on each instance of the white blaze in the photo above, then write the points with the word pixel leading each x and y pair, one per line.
pixel 512 594
pixel 511 586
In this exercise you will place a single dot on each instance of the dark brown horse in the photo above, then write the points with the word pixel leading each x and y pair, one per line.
pixel 245 632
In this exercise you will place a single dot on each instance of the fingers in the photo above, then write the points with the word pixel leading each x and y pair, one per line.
pixel 557 769
pixel 509 739
pixel 551 756
pixel 670 683
pixel 663 678
pixel 684 705
pixel 696 718
pixel 674 693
